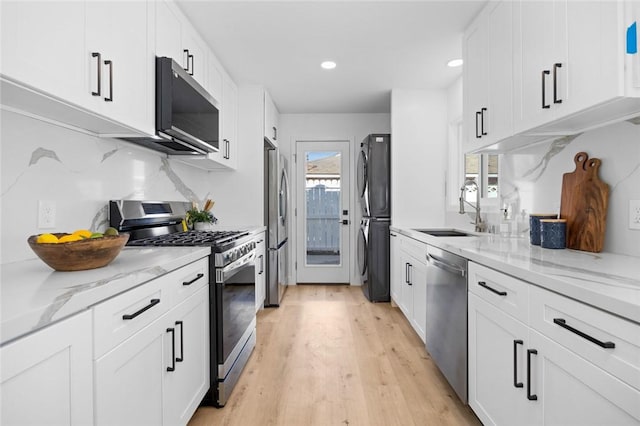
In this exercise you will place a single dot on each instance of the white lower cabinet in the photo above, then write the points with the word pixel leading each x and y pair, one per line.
pixel 496 365
pixel 573 391
pixel 261 276
pixel 395 268
pixel 411 267
pixel 583 374
pixel 160 374
pixel 47 376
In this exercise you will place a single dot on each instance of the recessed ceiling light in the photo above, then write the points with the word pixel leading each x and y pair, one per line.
pixel 454 63
pixel 328 65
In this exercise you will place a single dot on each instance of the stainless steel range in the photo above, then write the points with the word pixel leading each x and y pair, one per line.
pixel 232 315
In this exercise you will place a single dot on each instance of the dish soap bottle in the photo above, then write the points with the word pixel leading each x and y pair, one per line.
pixel 505 223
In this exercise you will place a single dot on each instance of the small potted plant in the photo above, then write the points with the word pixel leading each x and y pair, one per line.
pixel 201 220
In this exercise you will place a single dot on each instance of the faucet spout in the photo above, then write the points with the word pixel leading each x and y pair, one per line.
pixel 480 226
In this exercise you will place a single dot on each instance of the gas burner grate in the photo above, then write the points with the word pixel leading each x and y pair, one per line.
pixel 191 238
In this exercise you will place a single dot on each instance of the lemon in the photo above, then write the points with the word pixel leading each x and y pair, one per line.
pixel 47 239
pixel 69 238
pixel 83 233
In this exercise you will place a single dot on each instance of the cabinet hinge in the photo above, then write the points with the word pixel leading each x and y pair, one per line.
pixel 295 266
pixel 295 212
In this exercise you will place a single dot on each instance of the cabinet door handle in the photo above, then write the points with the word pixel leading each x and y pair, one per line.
pixel 181 358
pixel 99 66
pixel 186 60
pixel 261 257
pixel 406 272
pixel 530 397
pixel 491 289
pixel 516 383
pixel 173 349
pixel 556 100
pixel 544 100
pixel 563 323
pixel 482 132
pixel 227 151
pixel 109 63
pixel 151 304
pixel 192 66
pixel 478 135
pixel 410 274
pixel 193 280
pixel 275 134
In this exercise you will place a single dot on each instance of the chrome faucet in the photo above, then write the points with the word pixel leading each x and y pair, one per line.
pixel 480 226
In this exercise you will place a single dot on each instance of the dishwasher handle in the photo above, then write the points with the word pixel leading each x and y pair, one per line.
pixel 440 263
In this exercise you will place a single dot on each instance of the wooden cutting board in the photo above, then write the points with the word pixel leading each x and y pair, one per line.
pixel 584 205
pixel 569 182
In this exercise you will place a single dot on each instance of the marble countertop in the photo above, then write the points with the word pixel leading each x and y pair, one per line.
pixel 605 280
pixel 32 295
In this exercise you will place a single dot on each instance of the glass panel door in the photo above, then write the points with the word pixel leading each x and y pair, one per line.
pixel 323 212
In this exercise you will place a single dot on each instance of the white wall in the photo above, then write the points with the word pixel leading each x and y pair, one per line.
pixel 532 178
pixel 330 127
pixel 418 157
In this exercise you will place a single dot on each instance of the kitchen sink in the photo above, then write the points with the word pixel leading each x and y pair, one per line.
pixel 444 232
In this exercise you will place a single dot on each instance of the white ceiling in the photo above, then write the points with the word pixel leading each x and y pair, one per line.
pixel 377 45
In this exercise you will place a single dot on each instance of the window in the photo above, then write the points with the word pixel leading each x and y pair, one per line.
pixel 482 169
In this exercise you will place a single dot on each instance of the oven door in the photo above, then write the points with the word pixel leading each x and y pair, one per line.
pixel 235 311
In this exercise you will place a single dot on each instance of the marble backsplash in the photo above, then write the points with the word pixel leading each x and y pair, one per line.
pixel 531 178
pixel 80 173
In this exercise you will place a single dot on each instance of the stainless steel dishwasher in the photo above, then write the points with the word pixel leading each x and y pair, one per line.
pixel 447 316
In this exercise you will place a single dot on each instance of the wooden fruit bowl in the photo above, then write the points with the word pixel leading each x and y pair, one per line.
pixel 80 255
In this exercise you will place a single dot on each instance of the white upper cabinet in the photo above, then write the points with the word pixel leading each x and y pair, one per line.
pixel 90 55
pixel 551 68
pixel 229 139
pixel 33 37
pixel 488 88
pixel 120 62
pixel 168 31
pixel 194 54
pixel 271 116
pixel 214 76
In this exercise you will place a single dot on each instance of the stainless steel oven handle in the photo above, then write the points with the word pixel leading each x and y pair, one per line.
pixel 223 274
pixel 444 265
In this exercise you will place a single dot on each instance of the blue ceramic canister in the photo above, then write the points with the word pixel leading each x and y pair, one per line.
pixel 553 233
pixel 534 226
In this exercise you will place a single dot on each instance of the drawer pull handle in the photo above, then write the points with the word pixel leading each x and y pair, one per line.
pixel 181 358
pixel 193 280
pixel 151 304
pixel 563 323
pixel 544 101
pixel 516 383
pixel 491 289
pixel 530 397
pixel 173 349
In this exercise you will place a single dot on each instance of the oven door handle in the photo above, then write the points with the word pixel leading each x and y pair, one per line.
pixel 231 269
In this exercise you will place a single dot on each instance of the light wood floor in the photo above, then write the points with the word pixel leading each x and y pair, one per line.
pixel 329 357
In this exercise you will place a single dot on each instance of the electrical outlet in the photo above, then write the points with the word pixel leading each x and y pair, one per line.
pixel 46 214
pixel 634 214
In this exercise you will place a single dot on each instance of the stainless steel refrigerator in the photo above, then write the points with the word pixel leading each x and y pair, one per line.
pixel 276 218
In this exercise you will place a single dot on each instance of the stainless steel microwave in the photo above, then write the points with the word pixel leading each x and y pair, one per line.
pixel 187 119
